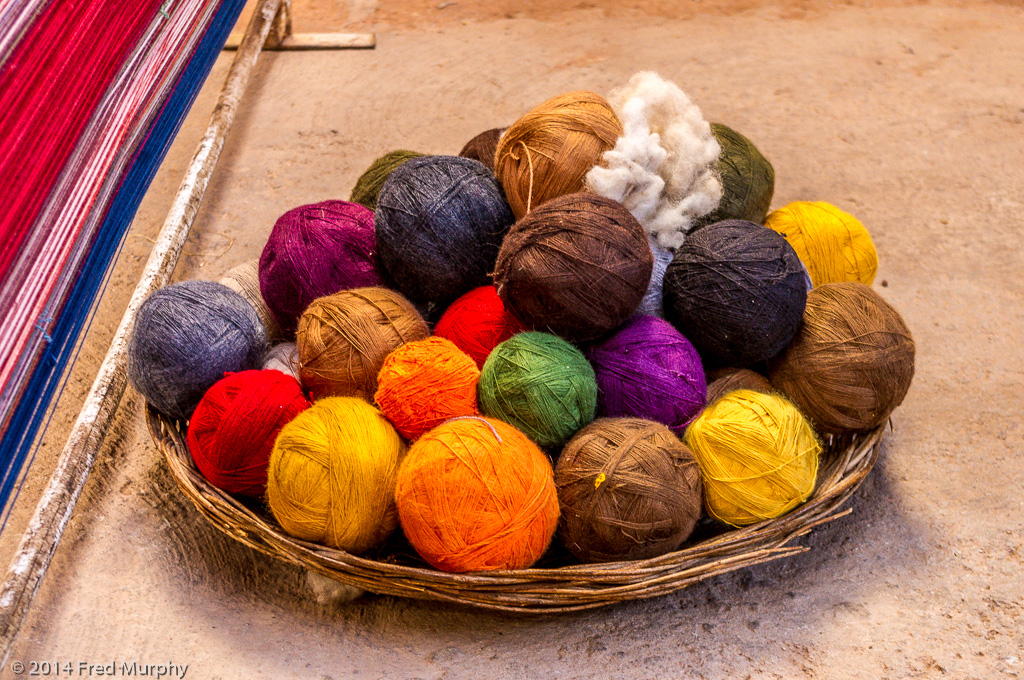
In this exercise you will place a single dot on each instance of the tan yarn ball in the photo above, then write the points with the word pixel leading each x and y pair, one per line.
pixel 628 489
pixel 852 361
pixel 344 338
pixel 245 280
pixel 726 380
pixel 548 152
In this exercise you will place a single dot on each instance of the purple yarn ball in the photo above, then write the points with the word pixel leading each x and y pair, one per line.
pixel 647 369
pixel 316 250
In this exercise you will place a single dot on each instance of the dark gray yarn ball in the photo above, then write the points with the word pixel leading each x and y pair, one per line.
pixel 186 337
pixel 440 221
pixel 737 291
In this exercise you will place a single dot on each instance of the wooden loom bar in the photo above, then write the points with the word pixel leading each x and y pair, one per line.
pixel 76 460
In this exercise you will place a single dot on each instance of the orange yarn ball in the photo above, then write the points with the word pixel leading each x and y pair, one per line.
pixel 475 494
pixel 424 383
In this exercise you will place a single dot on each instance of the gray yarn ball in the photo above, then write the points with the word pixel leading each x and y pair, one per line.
pixel 186 337
pixel 440 221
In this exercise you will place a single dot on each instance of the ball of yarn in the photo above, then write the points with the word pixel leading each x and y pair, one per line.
pixel 647 369
pixel 748 179
pixel 758 456
pixel 369 184
pixel 233 429
pixel 662 168
pixel 283 357
pixel 577 266
pixel 736 290
pixel 185 338
pixel 833 244
pixel 547 152
pixel 628 490
pixel 332 475
pixel 440 222
pixel 474 494
pixel 245 280
pixel 652 303
pixel 482 147
pixel 316 250
pixel 728 380
pixel 424 383
pixel 541 385
pixel 478 322
pixel 852 362
pixel 344 338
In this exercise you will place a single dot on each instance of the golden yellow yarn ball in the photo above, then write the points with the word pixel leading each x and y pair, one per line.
pixel 757 454
pixel 833 244
pixel 332 475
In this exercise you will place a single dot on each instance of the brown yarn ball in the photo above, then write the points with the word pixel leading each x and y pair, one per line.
pixel 578 266
pixel 852 361
pixel 482 147
pixel 726 380
pixel 549 151
pixel 629 489
pixel 344 338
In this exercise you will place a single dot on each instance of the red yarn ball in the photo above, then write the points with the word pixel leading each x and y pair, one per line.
pixel 232 431
pixel 478 322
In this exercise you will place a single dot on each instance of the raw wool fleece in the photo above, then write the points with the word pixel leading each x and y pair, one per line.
pixel 662 168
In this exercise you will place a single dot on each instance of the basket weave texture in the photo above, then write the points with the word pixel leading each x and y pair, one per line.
pixel 845 464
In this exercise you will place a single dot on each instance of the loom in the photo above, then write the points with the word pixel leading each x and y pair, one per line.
pixel 93 95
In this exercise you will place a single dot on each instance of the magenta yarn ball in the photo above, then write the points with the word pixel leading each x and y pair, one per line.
pixel 647 369
pixel 316 250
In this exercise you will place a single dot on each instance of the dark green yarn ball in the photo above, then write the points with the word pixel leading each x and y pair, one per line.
pixel 748 179
pixel 541 385
pixel 368 185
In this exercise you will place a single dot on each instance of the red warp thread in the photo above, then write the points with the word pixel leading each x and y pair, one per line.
pixel 233 430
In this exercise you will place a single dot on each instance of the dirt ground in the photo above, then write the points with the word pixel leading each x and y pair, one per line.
pixel 909 115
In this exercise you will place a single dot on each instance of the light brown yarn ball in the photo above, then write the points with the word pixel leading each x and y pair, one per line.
pixel 548 152
pixel 852 361
pixel 628 489
pixel 726 380
pixel 344 338
pixel 245 280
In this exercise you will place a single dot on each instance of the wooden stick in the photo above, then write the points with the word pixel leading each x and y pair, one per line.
pixel 313 41
pixel 79 454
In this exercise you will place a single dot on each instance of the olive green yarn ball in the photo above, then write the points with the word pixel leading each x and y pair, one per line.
pixel 541 385
pixel 748 179
pixel 368 185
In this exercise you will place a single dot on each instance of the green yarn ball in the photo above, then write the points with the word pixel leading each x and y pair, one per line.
pixel 368 185
pixel 540 384
pixel 748 179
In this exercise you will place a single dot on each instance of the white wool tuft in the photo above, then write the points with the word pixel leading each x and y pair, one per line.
pixel 329 592
pixel 662 168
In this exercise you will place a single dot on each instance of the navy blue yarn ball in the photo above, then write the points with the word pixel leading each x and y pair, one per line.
pixel 737 291
pixel 186 337
pixel 440 221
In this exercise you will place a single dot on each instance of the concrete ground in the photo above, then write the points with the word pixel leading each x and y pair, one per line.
pixel 909 115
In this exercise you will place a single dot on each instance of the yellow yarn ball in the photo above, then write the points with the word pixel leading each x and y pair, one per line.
pixel 757 454
pixel 833 244
pixel 332 475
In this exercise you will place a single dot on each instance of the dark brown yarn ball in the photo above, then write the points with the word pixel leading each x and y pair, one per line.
pixel 728 380
pixel 629 489
pixel 482 147
pixel 577 266
pixel 852 361
pixel 343 339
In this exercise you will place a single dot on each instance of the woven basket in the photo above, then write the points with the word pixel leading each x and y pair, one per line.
pixel 845 464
